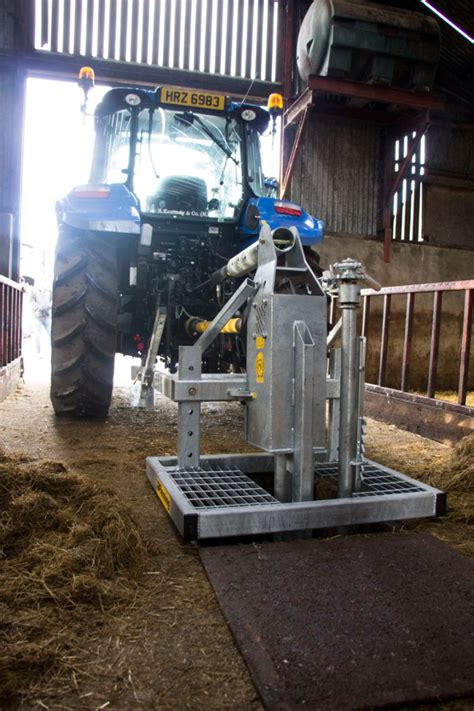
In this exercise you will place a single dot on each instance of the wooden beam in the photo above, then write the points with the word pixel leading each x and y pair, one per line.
pixel 45 64
pixel 293 113
pixel 373 92
pixel 436 419
pixel 294 151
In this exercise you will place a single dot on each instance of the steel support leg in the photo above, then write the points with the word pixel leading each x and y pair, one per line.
pixel 334 406
pixel 349 297
pixel 343 279
pixel 189 412
pixel 303 464
pixel 282 478
pixel 360 422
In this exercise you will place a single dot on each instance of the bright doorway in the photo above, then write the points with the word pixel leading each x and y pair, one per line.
pixel 57 150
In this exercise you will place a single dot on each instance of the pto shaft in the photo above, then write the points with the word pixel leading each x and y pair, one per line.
pixel 196 325
pixel 247 260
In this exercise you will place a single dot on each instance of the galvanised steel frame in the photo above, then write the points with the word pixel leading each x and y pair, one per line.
pixel 284 391
pixel 221 499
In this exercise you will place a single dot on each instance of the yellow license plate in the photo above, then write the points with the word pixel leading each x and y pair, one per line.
pixel 194 99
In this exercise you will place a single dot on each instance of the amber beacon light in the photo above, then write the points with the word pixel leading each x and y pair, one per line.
pixel 275 108
pixel 86 81
pixel 86 78
pixel 275 104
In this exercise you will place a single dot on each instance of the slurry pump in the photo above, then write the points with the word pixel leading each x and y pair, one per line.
pixel 303 401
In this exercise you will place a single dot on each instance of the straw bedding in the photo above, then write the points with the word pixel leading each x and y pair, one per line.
pixel 72 556
pixel 70 551
pixel 456 478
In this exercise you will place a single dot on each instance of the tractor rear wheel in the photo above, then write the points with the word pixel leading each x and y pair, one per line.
pixel 84 324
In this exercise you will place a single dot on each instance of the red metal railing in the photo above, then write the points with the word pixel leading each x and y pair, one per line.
pixel 11 304
pixel 410 291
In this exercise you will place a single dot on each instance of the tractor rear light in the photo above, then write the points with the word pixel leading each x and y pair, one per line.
pixel 288 208
pixel 93 192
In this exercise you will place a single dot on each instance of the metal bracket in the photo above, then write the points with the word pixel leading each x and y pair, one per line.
pixel 147 398
pixel 247 289
pixel 189 413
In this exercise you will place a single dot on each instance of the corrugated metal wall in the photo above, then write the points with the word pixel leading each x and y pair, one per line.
pixel 12 83
pixel 451 150
pixel 335 176
pixel 449 186
pixel 7 34
pixel 11 117
pixel 228 37
pixel 8 123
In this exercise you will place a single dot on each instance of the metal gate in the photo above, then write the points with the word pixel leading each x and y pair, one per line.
pixel 430 414
pixel 11 302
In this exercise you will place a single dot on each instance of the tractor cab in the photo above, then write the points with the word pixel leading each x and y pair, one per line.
pixel 193 155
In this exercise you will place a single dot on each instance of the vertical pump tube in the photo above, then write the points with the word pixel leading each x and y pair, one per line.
pixel 349 299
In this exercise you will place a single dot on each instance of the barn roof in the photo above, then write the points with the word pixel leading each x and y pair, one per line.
pixel 456 69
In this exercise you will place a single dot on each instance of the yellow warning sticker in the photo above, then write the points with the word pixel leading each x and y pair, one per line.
pixel 260 367
pixel 163 496
pixel 260 342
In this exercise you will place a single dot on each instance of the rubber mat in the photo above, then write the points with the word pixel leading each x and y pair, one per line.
pixel 353 622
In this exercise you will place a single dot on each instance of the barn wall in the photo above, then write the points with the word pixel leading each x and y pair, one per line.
pixel 7 24
pixel 410 264
pixel 451 150
pixel 12 89
pixel 449 186
pixel 335 176
pixel 12 86
pixel 338 178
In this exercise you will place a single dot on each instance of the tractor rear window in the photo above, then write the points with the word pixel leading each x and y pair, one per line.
pixel 185 163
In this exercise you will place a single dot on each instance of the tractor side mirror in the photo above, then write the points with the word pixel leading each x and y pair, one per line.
pixel 271 187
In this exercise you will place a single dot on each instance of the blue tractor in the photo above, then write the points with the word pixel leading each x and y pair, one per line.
pixel 176 189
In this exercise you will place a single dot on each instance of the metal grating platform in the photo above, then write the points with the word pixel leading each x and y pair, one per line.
pixel 214 486
pixel 376 480
pixel 220 499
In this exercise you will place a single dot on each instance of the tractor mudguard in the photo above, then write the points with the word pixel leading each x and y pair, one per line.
pixel 280 213
pixel 100 208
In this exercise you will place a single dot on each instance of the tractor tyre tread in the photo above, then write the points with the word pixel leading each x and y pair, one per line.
pixel 84 324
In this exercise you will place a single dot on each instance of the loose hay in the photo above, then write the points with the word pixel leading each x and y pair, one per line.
pixel 454 475
pixel 70 552
pixel 456 478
